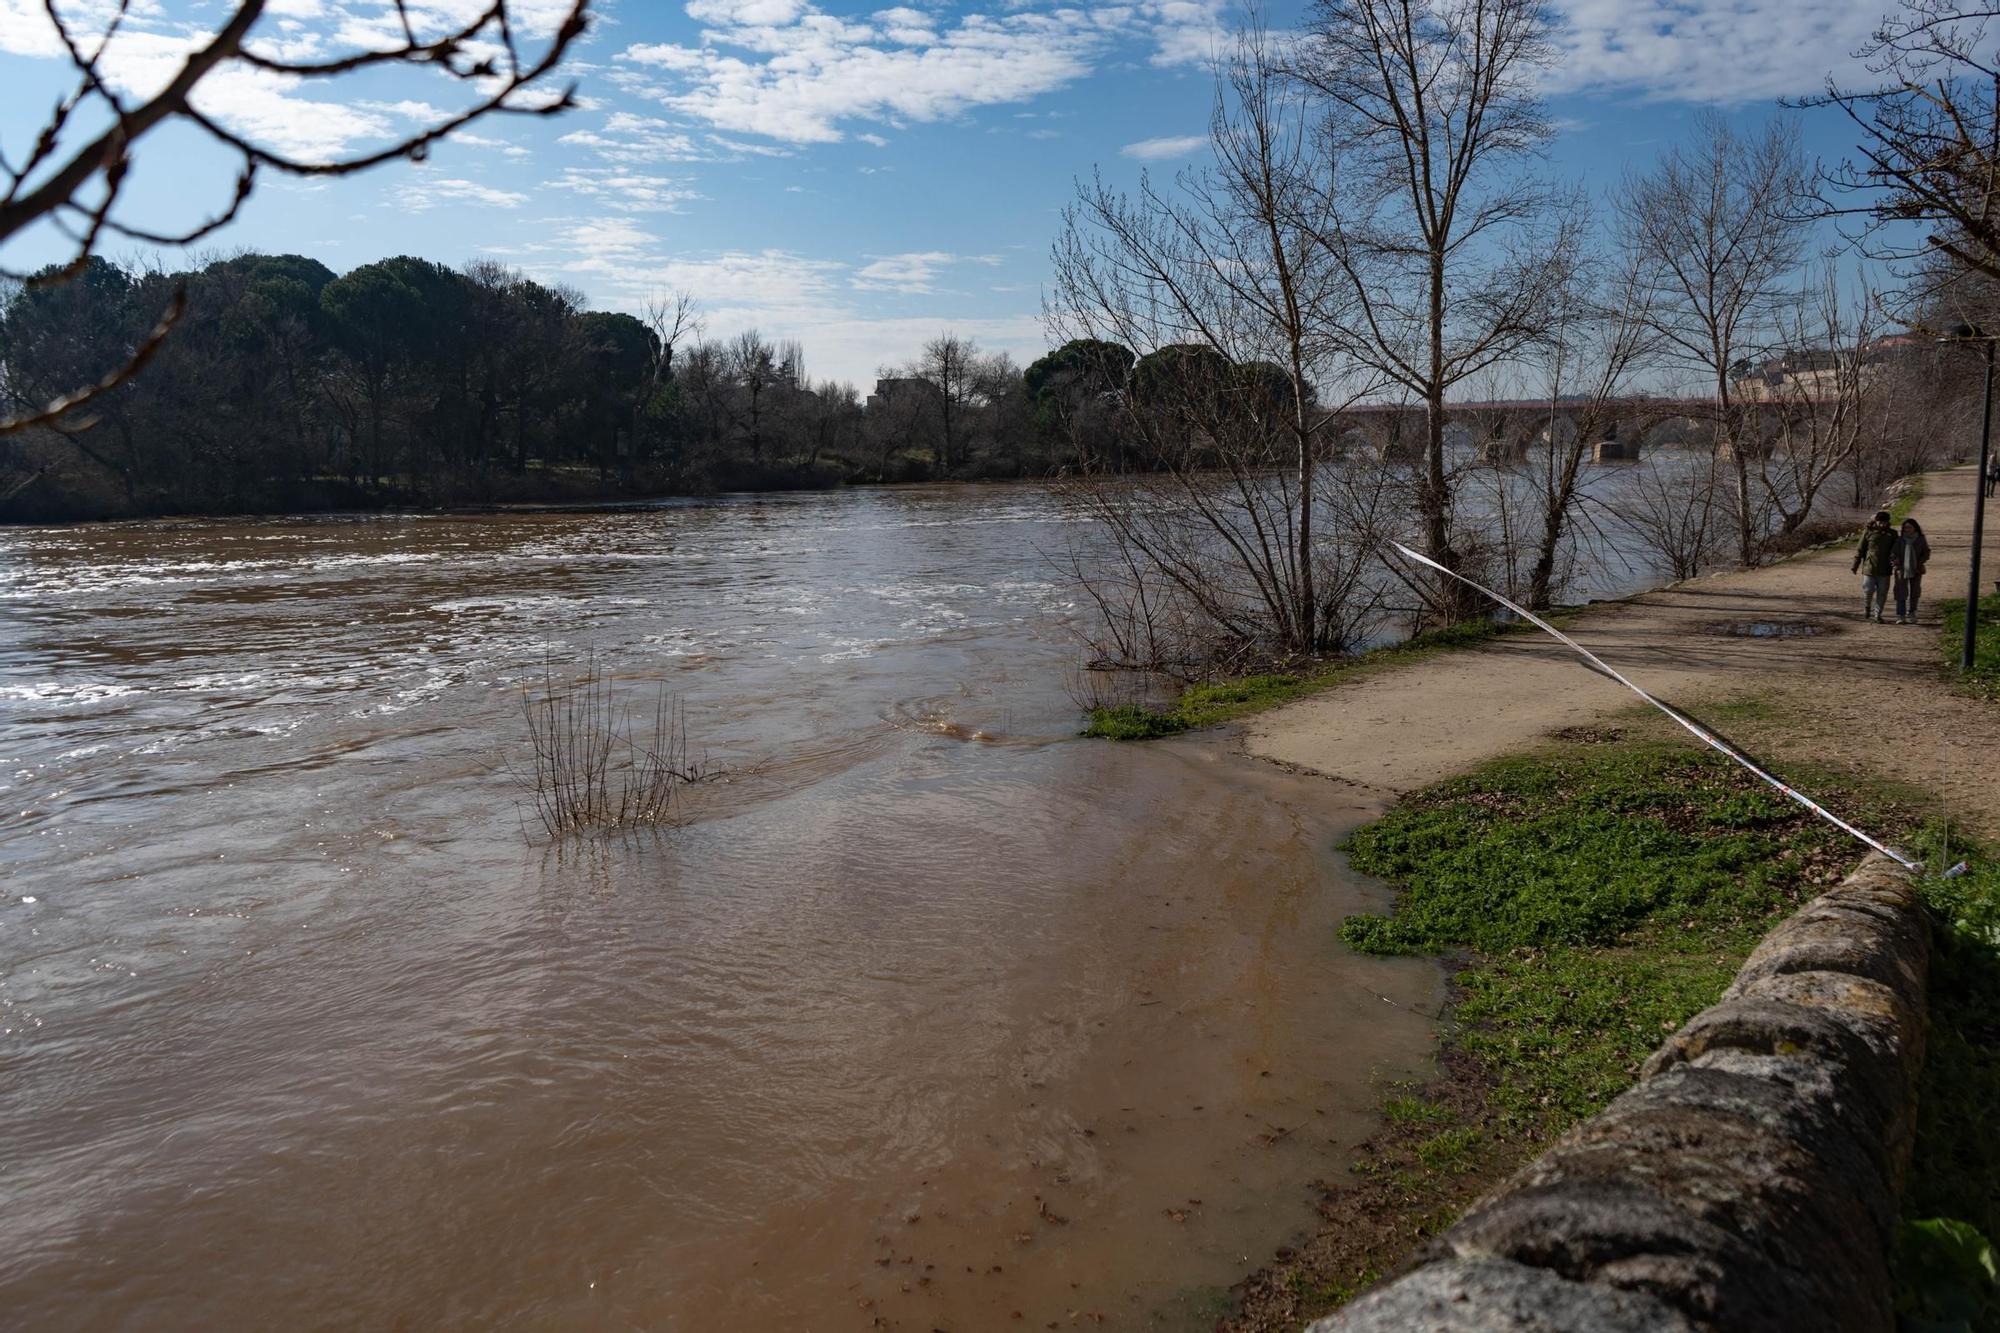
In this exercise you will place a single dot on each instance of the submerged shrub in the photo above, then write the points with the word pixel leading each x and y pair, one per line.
pixel 592 766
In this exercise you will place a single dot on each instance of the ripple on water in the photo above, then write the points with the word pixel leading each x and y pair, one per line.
pixel 918 956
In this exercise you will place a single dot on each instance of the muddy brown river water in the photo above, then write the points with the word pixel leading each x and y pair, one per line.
pixel 929 1016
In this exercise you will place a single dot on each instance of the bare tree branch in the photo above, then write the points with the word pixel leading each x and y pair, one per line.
pixel 53 185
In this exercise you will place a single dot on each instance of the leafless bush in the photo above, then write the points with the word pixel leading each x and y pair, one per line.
pixel 1139 621
pixel 1815 531
pixel 1101 685
pixel 594 766
pixel 1189 568
pixel 1676 509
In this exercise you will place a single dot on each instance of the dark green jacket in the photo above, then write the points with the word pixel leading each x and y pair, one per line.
pixel 1877 556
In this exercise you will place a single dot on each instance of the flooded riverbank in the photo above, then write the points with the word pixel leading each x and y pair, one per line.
pixel 930 1015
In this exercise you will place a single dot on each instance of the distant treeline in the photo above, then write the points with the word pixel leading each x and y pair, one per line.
pixel 285 386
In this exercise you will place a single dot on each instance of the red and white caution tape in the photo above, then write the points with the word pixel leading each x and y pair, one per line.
pixel 1700 732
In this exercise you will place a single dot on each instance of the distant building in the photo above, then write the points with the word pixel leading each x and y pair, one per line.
pixel 901 389
pixel 1813 372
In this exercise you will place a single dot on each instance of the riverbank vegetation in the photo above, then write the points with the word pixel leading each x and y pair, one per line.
pixel 288 386
pixel 1589 898
pixel 1213 703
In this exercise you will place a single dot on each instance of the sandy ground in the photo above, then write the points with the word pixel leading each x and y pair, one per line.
pixel 1857 694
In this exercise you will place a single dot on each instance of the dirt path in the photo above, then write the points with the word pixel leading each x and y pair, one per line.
pixel 1854 693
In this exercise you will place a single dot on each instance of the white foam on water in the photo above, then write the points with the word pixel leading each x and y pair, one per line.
pixel 59 692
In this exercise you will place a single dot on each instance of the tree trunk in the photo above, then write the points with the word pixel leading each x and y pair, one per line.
pixel 1308 609
pixel 1733 437
pixel 1454 601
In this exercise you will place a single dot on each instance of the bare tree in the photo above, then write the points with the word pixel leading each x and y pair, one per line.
pixel 1927 138
pixel 831 419
pixel 1822 403
pixel 673 318
pixel 1598 334
pixel 896 416
pixel 1922 407
pixel 951 365
pixel 1223 278
pixel 1717 230
pixel 753 366
pixel 1432 214
pixel 76 186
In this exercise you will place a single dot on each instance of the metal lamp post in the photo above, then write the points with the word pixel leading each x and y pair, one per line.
pixel 1970 333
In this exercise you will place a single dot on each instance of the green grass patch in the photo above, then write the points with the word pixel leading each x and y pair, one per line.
pixel 1208 705
pixel 1984 678
pixel 1954 1180
pixel 1407 1109
pixel 1605 893
pixel 1332 1294
pixel 1913 491
pixel 1130 722
pixel 1450 1151
pixel 1599 895
pixel 1583 845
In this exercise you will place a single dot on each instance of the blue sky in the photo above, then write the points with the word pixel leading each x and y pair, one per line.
pixel 856 177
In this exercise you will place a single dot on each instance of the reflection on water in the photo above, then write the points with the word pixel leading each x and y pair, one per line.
pixel 930 1016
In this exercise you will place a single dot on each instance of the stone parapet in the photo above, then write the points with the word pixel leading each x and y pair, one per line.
pixel 1749 1180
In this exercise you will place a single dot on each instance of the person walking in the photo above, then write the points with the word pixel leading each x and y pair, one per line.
pixel 1992 476
pixel 1878 555
pixel 1912 551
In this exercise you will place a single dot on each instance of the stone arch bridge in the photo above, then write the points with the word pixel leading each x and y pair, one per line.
pixel 1504 431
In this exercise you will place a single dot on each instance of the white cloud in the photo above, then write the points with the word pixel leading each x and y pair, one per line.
pixel 800 75
pixel 744 12
pixel 423 193
pixel 628 138
pixel 854 348
pixel 286 115
pixel 906 27
pixel 1723 51
pixel 783 293
pixel 911 272
pixel 740 148
pixel 147 53
pixel 1156 150
pixel 627 191
pixel 1186 32
pixel 407 109
pixel 609 239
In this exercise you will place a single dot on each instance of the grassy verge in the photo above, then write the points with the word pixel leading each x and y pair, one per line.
pixel 1951 1205
pixel 1592 897
pixel 1906 499
pixel 1225 701
pixel 1607 891
pixel 1984 678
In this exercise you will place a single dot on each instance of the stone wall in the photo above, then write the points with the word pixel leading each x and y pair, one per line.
pixel 1749 1180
